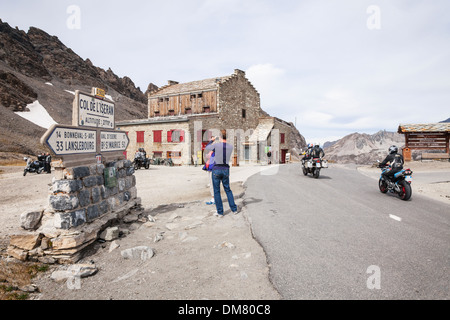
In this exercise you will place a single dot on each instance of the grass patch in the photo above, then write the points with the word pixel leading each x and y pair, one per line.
pixel 14 275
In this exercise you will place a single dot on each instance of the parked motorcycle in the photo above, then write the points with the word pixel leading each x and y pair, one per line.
pixel 33 166
pixel 314 166
pixel 400 184
pixel 141 162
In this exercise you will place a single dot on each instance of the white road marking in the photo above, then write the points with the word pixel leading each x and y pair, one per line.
pixel 395 217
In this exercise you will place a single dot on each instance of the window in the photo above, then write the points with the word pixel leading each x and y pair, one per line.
pixel 157 154
pixel 157 136
pixel 176 136
pixel 206 109
pixel 173 154
pixel 244 113
pixel 171 112
pixel 282 137
pixel 160 100
pixel 140 136
pixel 188 111
pixel 200 95
pixel 156 113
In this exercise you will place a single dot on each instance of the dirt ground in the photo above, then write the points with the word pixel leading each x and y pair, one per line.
pixel 197 256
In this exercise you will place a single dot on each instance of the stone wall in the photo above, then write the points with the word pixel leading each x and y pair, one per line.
pixel 80 207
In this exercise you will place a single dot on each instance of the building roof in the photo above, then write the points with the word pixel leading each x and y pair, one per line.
pixel 263 130
pixel 425 127
pixel 189 87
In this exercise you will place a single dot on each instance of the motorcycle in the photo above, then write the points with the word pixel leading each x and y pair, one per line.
pixel 33 166
pixel 313 166
pixel 141 162
pixel 400 184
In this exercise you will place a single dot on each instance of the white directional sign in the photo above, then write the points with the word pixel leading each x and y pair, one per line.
pixel 94 112
pixel 66 140
pixel 113 141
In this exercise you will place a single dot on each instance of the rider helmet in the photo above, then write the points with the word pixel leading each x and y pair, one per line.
pixel 393 149
pixel 310 145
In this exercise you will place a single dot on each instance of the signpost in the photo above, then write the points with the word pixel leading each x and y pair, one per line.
pixel 92 135
pixel 65 140
pixel 113 141
pixel 91 111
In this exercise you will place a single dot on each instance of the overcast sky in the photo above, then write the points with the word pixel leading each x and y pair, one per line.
pixel 331 67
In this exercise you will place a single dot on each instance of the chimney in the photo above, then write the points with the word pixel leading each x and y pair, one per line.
pixel 239 72
pixel 171 82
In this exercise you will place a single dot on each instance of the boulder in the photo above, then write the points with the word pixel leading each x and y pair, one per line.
pixel 30 220
pixel 110 234
pixel 142 252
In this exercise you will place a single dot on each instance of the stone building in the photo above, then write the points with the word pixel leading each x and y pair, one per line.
pixel 182 117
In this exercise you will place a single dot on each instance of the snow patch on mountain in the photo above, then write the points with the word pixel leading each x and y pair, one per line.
pixel 38 115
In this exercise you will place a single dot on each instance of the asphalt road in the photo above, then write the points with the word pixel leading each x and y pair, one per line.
pixel 338 237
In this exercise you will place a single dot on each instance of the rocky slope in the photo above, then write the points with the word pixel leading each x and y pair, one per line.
pixel 37 66
pixel 361 148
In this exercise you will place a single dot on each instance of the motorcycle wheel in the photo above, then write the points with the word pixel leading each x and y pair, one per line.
pixel 25 172
pixel 136 166
pixel 305 172
pixel 316 173
pixel 147 165
pixel 38 171
pixel 383 186
pixel 405 191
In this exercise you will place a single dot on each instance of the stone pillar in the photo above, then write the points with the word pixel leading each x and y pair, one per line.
pixel 80 206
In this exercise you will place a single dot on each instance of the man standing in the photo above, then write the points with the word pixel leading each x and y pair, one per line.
pixel 221 173
pixel 48 161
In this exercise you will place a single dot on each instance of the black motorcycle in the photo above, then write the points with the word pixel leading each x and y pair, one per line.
pixel 141 162
pixel 33 166
pixel 313 166
pixel 400 184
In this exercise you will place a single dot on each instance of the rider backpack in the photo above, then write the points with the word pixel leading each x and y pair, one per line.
pixel 398 161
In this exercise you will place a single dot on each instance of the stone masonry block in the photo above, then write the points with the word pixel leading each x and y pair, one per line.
pixel 96 194
pixel 92 213
pixel 128 182
pixel 78 218
pixel 130 171
pixel 127 163
pixel 85 197
pixel 90 181
pixel 81 172
pixel 63 202
pixel 104 191
pixel 67 186
pixel 103 207
pixel 122 185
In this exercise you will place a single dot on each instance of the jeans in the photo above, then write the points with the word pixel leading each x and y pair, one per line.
pixel 218 175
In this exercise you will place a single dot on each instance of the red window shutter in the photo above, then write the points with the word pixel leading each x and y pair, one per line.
pixel 169 136
pixel 157 136
pixel 140 136
pixel 181 135
pixel 282 138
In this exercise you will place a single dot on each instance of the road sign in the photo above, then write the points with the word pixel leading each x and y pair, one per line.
pixel 65 140
pixel 113 141
pixel 90 111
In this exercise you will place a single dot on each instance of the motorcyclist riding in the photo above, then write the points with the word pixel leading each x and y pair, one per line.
pixel 317 152
pixel 307 155
pixel 396 161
